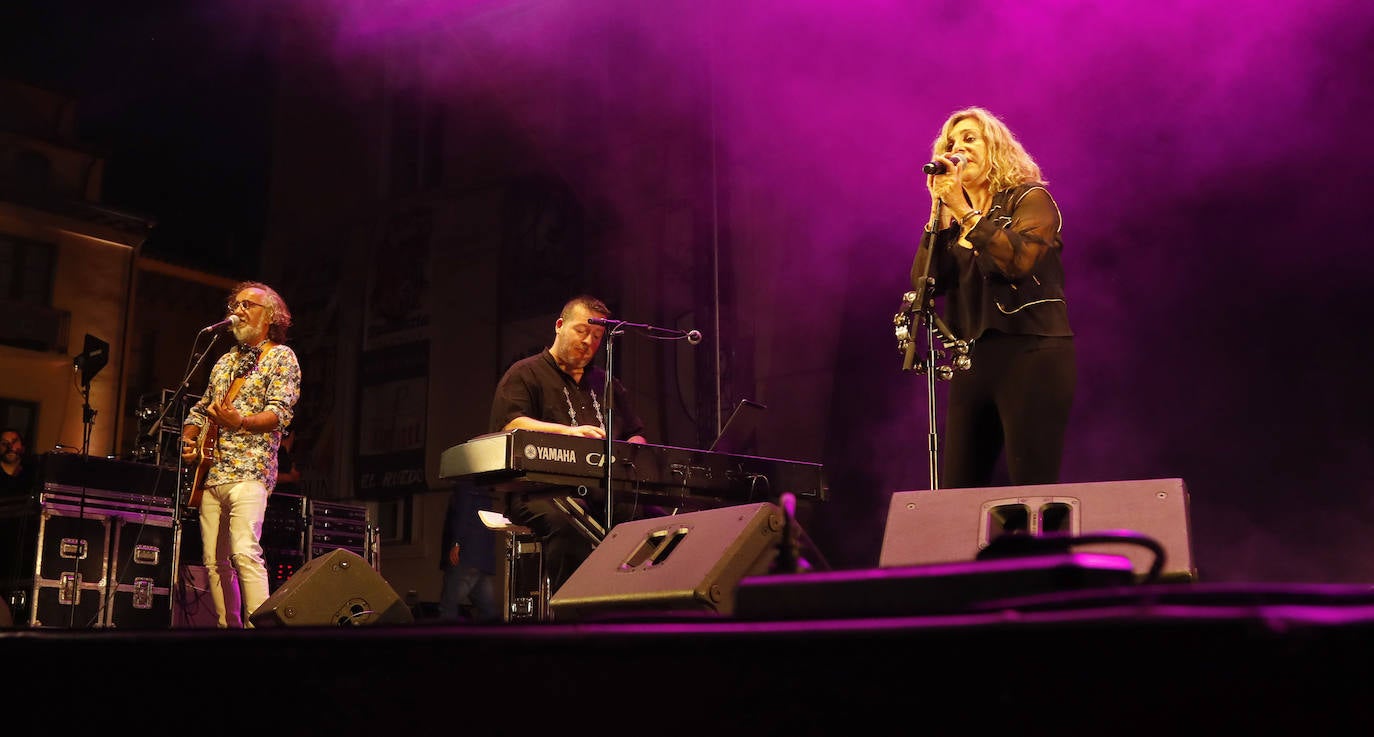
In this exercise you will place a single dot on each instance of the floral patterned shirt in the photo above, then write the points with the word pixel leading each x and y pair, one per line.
pixel 271 384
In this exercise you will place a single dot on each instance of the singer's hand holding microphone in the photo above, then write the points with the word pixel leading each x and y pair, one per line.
pixel 943 188
pixel 940 166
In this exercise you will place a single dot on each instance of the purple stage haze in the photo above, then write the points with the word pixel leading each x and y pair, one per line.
pixel 1206 164
pixel 1210 162
pixel 1209 166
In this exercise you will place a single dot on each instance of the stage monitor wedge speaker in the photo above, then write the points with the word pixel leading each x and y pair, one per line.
pixel 951 525
pixel 687 563
pixel 339 589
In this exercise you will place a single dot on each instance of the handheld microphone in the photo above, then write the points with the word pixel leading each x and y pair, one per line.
pixel 937 166
pixel 693 336
pixel 230 321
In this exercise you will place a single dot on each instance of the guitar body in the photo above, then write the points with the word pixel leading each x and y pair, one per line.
pixel 205 457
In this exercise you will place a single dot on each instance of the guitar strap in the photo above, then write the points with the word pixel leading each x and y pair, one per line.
pixel 234 389
pixel 242 374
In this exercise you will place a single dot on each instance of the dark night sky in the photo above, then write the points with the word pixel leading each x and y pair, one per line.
pixel 181 116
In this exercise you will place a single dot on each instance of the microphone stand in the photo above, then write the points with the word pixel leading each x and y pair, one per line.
pixel 154 430
pixel 87 418
pixel 88 423
pixel 196 361
pixel 608 392
pixel 919 304
pixel 615 328
pixel 90 365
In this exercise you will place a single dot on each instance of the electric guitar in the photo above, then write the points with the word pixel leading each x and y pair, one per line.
pixel 206 443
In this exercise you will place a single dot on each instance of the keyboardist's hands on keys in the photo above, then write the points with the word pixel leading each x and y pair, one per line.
pixel 586 431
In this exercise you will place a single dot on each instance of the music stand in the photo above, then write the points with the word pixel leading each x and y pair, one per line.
pixel 738 433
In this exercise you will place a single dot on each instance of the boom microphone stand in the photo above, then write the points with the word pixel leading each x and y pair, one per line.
pixel 615 328
pixel 918 305
pixel 608 392
pixel 155 430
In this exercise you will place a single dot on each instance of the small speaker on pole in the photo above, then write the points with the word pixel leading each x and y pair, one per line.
pixel 680 563
pixel 339 589
pixel 952 525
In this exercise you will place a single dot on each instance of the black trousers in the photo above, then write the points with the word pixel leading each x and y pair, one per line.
pixel 565 547
pixel 1015 398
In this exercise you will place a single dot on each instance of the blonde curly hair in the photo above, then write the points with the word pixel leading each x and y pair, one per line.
pixel 1009 164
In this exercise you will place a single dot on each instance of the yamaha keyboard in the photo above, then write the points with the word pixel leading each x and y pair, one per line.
pixel 519 461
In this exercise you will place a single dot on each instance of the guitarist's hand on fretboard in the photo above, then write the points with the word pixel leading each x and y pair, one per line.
pixel 224 414
pixel 190 451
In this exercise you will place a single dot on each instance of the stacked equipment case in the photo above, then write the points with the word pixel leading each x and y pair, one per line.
pixel 93 546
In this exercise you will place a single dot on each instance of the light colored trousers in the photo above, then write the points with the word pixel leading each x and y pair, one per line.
pixel 231 533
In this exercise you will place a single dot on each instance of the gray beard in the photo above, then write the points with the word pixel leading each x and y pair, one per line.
pixel 244 333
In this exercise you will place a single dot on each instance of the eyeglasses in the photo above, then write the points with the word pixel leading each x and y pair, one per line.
pixel 243 304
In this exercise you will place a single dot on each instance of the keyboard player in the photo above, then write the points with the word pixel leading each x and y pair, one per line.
pixel 559 390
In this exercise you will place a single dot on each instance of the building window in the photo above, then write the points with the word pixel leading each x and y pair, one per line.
pixel 26 277
pixel 21 415
pixel 26 269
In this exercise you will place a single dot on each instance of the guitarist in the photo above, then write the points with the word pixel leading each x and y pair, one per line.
pixel 231 437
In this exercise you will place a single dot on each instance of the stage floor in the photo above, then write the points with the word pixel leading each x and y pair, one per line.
pixel 1163 658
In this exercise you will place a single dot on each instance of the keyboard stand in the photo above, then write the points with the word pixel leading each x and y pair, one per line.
pixel 585 523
